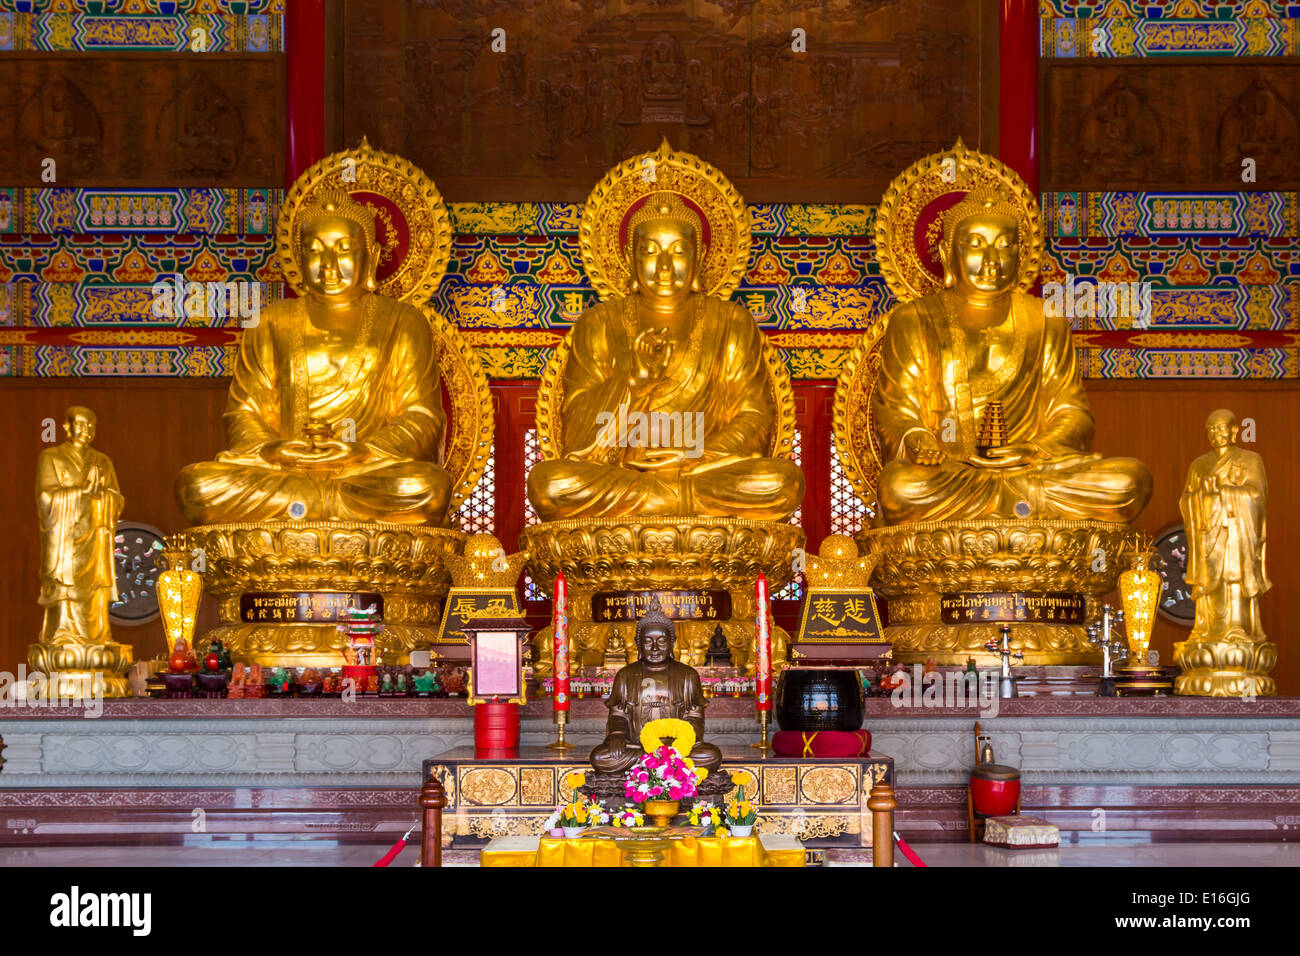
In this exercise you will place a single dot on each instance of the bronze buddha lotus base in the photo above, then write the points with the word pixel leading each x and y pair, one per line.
pixel 1226 668
pixel 660 554
pixel 932 565
pixel 404 564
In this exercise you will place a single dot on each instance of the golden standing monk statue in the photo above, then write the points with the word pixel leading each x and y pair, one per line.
pixel 962 421
pixel 1223 506
pixel 335 410
pixel 948 355
pixel 78 503
pixel 686 370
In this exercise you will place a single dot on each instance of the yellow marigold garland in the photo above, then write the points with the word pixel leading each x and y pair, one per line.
pixel 680 732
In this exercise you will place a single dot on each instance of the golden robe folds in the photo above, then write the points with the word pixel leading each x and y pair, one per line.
pixel 385 386
pixel 934 377
pixel 718 383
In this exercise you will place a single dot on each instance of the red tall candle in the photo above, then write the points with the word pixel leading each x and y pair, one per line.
pixel 560 645
pixel 763 640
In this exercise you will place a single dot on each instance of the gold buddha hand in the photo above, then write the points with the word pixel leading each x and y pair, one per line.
pixel 667 405
pixel 335 410
pixel 978 348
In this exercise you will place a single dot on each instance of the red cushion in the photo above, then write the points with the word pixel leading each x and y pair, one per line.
pixel 821 743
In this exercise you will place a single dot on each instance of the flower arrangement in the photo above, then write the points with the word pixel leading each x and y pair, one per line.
pixel 627 817
pixel 740 814
pixel 705 815
pixel 582 812
pixel 663 775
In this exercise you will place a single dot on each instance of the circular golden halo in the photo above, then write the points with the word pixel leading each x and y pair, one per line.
pixel 411 219
pixel 601 235
pixel 915 201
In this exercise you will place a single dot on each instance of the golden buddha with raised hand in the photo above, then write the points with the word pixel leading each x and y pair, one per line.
pixel 334 410
pixel 667 404
pixel 949 356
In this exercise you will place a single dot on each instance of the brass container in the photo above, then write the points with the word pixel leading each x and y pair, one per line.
pixel 661 812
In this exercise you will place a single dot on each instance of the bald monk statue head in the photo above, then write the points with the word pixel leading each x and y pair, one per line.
pixel 652 687
pixel 978 347
pixel 667 403
pixel 335 410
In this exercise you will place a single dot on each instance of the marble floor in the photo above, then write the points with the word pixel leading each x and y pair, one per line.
pixel 324 853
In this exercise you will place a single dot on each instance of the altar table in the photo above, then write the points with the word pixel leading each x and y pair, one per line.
pixel 823 802
pixel 769 849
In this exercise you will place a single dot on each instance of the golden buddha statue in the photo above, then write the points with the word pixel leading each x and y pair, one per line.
pixel 666 424
pixel 345 461
pixel 961 421
pixel 948 356
pixel 78 502
pixel 335 410
pixel 1223 506
pixel 667 408
pixel 655 686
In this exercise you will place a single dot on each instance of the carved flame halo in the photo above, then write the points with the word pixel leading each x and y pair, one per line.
pixel 606 217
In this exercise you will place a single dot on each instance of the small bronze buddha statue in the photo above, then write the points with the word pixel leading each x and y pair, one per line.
pixel 652 687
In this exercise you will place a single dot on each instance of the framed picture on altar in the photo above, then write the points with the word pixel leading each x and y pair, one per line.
pixel 496 659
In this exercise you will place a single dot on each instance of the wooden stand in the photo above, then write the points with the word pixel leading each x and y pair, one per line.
pixel 432 799
pixel 882 804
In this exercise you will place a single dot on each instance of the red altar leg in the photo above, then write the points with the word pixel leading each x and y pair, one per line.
pixel 1018 89
pixel 304 59
pixel 496 730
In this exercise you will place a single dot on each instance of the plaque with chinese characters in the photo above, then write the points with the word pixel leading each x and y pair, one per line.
pixel 303 607
pixel 466 603
pixel 679 605
pixel 840 617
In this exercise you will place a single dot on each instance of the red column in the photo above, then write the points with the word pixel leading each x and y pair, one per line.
pixel 1018 89
pixel 304 49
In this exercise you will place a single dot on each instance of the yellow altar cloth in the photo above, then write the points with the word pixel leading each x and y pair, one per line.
pixel 689 851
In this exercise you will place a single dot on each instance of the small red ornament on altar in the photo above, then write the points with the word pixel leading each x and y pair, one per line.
pixel 212 662
pixel 182 660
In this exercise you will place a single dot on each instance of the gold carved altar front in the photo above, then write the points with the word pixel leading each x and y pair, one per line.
pixel 822 801
pixel 363 511
pixel 961 422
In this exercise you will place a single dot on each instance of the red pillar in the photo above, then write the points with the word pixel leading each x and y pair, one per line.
pixel 304 49
pixel 1018 89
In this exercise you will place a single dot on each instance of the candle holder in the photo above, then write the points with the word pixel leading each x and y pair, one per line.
pixel 1113 649
pixel 560 744
pixel 764 745
pixel 1007 687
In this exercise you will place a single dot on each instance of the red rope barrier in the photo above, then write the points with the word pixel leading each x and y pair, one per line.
pixel 908 851
pixel 398 847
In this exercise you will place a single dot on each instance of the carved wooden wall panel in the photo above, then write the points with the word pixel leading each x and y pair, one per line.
pixel 1145 124
pixel 143 120
pixel 580 86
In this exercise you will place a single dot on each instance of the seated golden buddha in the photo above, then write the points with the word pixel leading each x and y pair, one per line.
pixel 667 407
pixel 949 356
pixel 335 411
